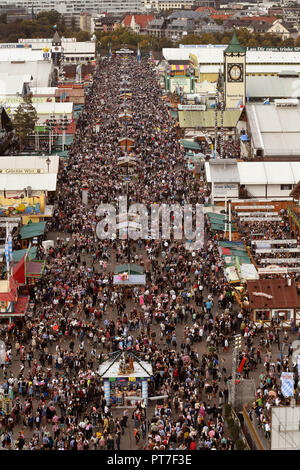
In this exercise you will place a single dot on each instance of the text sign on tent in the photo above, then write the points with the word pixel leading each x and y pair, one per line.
pixel 287 384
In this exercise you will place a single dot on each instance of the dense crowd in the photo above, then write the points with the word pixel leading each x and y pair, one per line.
pixel 182 321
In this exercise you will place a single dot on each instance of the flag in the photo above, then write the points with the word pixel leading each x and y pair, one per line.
pixel 138 53
pixel 109 51
pixel 287 384
pixel 267 101
pixel 8 251
pixel 241 366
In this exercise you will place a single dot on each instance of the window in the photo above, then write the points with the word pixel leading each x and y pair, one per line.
pixel 262 315
pixel 285 187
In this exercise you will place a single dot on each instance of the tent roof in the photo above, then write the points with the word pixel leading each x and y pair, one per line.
pixel 206 119
pixel 190 144
pixel 129 268
pixel 18 254
pixel 32 230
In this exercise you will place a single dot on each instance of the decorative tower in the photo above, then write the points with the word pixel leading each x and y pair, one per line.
pixel 235 74
pixel 56 50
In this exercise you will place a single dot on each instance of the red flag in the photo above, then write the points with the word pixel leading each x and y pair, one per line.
pixel 242 364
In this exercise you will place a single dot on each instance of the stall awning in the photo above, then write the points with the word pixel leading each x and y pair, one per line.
pixel 189 144
pixel 18 254
pixel 32 230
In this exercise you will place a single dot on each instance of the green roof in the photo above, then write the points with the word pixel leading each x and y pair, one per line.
pixel 206 119
pixel 129 268
pixel 189 144
pixel 32 230
pixel 18 254
pixel 234 46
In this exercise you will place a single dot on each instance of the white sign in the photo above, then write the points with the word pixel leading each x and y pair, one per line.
pixel 265 219
pixel 280 260
pixel 254 207
pixel 191 107
pixel 250 214
pixel 277 250
pixel 18 171
pixel 263 294
pixel 225 189
pixel 276 242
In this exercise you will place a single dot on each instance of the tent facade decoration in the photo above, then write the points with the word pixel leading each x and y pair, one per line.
pixel 11 303
pixel 124 375
pixel 129 275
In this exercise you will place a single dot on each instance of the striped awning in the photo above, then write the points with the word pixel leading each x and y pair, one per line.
pixel 178 67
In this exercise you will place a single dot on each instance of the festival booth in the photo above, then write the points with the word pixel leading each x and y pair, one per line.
pixel 12 304
pixel 27 271
pixel 29 233
pixel 126 144
pixel 217 223
pixel 124 375
pixel 129 275
pixel 239 267
pixel 25 182
pixel 272 300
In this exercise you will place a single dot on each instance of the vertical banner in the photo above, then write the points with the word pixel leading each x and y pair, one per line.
pixel 107 392
pixel 145 391
pixel 287 384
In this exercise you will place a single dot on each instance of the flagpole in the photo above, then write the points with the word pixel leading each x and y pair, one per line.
pixel 7 253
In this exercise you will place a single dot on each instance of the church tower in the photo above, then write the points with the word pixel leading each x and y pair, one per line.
pixel 235 74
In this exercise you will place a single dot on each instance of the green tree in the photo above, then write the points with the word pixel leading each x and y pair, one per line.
pixel 24 120
pixel 51 17
pixel 73 23
pixel 252 43
pixel 82 36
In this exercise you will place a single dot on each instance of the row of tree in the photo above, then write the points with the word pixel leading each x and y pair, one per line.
pixel 45 23
pixel 42 25
pixel 122 36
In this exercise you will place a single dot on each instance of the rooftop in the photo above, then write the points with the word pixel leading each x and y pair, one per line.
pixel 272 293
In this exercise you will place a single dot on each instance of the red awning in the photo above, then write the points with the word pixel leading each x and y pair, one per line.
pixel 225 251
pixel 19 271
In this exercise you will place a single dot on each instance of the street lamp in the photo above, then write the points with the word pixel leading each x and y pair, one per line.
pixel 48 161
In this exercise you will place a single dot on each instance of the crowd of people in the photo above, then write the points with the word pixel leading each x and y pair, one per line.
pixel 181 321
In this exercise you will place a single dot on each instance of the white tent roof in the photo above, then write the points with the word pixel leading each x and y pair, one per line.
pixel 30 162
pixel 266 172
pixel 173 53
pixel 253 173
pixel 275 129
pixel 40 70
pixel 43 182
pixel 12 84
pixel 19 54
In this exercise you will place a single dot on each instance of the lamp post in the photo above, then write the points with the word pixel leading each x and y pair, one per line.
pixel 48 161
pixel 237 344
